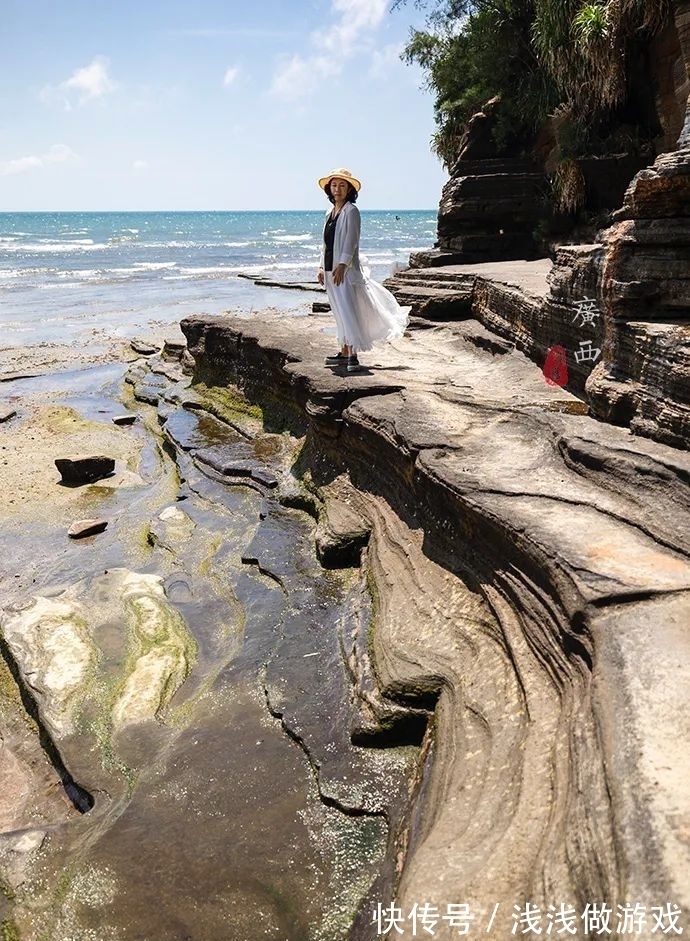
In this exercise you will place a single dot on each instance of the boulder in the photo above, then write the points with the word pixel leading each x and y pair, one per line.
pixel 84 470
pixel 144 347
pixel 81 528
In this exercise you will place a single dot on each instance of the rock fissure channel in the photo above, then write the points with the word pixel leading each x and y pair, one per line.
pixel 80 799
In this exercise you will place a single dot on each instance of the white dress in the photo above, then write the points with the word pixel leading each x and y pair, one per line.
pixel 365 312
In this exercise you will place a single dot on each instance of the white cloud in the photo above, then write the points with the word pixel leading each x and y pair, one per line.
pixel 139 165
pixel 230 75
pixel 357 17
pixel 297 76
pixel 58 153
pixel 386 59
pixel 354 21
pixel 86 84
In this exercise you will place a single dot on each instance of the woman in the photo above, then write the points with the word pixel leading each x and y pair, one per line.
pixel 365 312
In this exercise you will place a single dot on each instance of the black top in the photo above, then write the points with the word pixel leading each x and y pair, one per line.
pixel 329 239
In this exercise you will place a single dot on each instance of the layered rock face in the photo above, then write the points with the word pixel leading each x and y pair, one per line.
pixel 542 309
pixel 642 379
pixel 489 206
pixel 489 209
pixel 616 314
pixel 528 589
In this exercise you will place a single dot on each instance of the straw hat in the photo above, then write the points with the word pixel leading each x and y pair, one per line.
pixel 342 174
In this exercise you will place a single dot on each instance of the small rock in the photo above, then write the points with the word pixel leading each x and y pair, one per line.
pixel 124 419
pixel 188 363
pixel 81 528
pixel 320 307
pixel 6 412
pixel 173 349
pixel 144 347
pixel 84 470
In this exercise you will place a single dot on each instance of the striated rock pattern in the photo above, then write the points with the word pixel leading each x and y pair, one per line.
pixel 642 379
pixel 523 570
pixel 537 307
pixel 489 209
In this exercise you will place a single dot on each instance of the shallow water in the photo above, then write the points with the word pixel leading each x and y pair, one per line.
pixel 209 820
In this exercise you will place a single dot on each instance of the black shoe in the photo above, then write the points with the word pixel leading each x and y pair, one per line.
pixel 337 360
pixel 353 364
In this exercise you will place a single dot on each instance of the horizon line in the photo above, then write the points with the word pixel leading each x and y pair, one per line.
pixel 150 211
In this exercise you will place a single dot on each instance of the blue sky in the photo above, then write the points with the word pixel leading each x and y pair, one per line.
pixel 213 104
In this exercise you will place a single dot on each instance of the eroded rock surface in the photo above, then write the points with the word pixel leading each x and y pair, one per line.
pixel 641 379
pixel 523 560
pixel 187 697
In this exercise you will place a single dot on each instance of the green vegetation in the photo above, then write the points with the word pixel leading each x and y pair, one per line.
pixel 9 930
pixel 227 403
pixel 577 62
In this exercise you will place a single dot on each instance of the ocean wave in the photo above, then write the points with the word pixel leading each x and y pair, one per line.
pixel 275 266
pixel 153 265
pixel 293 238
pixel 55 248
pixel 215 269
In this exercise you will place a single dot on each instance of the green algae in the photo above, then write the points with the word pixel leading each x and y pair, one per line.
pixel 9 930
pixel 227 403
pixel 6 890
pixel 160 648
pixel 11 700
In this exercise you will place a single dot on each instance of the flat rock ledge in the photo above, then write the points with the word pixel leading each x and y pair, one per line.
pixel 530 583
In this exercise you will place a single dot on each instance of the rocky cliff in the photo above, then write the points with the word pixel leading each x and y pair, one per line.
pixel 613 313
pixel 530 594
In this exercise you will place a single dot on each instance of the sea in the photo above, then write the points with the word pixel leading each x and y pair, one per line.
pixel 67 274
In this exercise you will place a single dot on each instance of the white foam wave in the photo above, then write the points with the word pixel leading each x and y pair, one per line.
pixel 276 266
pixel 153 265
pixel 216 269
pixel 55 248
pixel 294 238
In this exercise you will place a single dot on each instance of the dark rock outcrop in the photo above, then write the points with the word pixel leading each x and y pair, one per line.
pixel 84 470
pixel 489 210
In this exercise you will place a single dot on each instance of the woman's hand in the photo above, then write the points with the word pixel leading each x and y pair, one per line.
pixel 320 276
pixel 339 274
